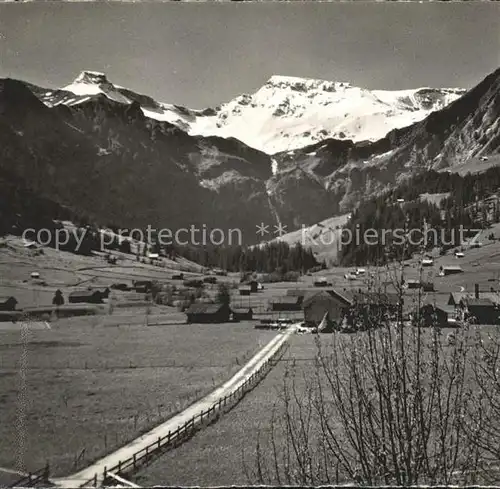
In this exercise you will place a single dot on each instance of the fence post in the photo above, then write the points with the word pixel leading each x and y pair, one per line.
pixel 134 460
pixel 168 436
pixel 95 480
pixel 159 442
pixel 105 473
pixel 119 466
pixel 147 452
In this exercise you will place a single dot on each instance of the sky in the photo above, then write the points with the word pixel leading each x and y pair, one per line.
pixel 202 54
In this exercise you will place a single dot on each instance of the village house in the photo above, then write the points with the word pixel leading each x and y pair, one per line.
pixel 327 302
pixel 242 313
pixel 287 303
pixel 8 303
pixel 370 308
pixel 480 310
pixel 208 313
pixel 432 315
pixel 85 296
pixel 245 290
pixel 143 286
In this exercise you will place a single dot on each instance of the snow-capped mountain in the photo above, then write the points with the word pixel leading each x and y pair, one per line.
pixel 286 113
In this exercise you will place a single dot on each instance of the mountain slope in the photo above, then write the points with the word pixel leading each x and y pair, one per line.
pixel 349 172
pixel 285 113
pixel 109 161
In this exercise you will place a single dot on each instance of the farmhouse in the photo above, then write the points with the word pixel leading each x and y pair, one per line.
pixel 87 296
pixel 374 303
pixel 413 284
pixel 484 311
pixel 288 303
pixel 245 290
pixel 433 315
pixel 208 313
pixel 330 303
pixel 8 303
pixel 242 313
pixel 143 285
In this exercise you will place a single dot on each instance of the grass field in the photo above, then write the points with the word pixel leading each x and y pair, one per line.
pixel 224 453
pixel 91 385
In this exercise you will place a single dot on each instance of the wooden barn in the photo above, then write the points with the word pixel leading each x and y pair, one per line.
pixel 85 296
pixel 242 313
pixel 432 315
pixel 8 303
pixel 143 286
pixel 244 290
pixel 327 302
pixel 288 303
pixel 481 310
pixel 208 313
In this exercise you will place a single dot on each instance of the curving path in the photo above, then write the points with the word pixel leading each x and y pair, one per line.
pixel 127 451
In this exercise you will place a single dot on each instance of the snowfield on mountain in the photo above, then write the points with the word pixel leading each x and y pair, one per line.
pixel 286 113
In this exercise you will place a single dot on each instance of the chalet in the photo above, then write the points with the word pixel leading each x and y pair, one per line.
pixel 374 304
pixel 427 262
pixel 483 310
pixel 413 284
pixel 242 313
pixel 427 286
pixel 35 275
pixel 143 286
pixel 245 290
pixel 210 280
pixel 329 305
pixel 208 313
pixel 85 296
pixel 288 303
pixel 178 276
pixel 8 303
pixel 450 270
pixel 432 315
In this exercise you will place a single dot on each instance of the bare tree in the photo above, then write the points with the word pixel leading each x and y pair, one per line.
pixel 395 403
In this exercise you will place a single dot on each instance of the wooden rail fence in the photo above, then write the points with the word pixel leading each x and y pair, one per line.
pixel 34 478
pixel 185 431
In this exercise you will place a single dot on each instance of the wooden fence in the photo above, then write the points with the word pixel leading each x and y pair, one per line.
pixel 34 478
pixel 185 431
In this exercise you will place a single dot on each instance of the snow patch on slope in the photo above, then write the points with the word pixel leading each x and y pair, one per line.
pixel 286 113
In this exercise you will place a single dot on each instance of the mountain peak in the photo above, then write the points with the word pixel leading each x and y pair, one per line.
pixel 301 84
pixel 91 77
